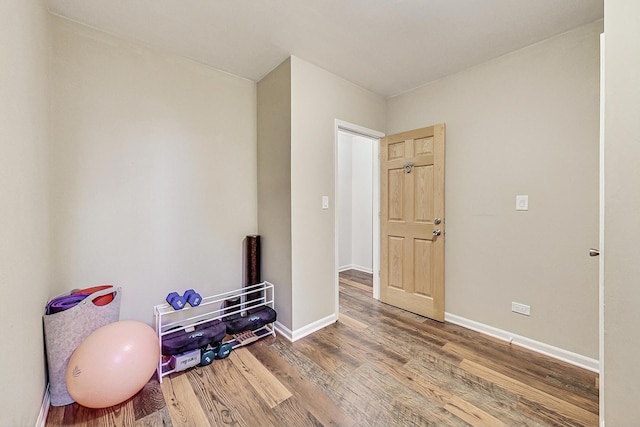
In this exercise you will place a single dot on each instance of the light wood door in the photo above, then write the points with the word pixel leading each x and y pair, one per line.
pixel 411 217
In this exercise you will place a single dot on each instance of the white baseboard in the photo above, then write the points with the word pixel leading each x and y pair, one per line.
pixel 355 267
pixel 283 330
pixel 363 269
pixel 44 409
pixel 306 330
pixel 537 346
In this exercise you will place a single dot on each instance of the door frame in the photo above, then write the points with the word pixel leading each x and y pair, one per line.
pixel 601 237
pixel 374 135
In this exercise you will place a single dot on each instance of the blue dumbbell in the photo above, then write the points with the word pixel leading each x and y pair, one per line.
pixel 176 301
pixel 223 350
pixel 208 354
pixel 192 297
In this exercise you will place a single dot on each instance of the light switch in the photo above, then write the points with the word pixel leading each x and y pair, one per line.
pixel 522 202
pixel 325 202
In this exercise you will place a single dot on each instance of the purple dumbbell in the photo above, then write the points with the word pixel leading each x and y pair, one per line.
pixel 192 297
pixel 176 301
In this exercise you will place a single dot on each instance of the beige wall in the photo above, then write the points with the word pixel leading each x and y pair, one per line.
pixel 24 207
pixel 274 185
pixel 154 184
pixel 297 107
pixel 318 98
pixel 622 207
pixel 525 123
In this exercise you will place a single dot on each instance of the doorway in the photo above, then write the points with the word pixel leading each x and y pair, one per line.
pixel 357 206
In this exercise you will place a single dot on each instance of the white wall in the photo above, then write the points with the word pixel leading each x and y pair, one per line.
pixel 362 204
pixel 24 207
pixel 154 184
pixel 355 202
pixel 525 123
pixel 622 205
pixel 344 205
pixel 318 98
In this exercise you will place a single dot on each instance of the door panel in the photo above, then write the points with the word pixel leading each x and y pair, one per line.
pixel 396 195
pixel 424 145
pixel 423 194
pixel 396 257
pixel 411 198
pixel 422 267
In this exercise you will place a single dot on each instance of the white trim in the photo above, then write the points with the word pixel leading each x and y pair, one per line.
pixel 306 330
pixel 537 346
pixel 353 128
pixel 376 219
pixel 44 408
pixel 601 235
pixel 355 267
pixel 283 331
pixel 362 269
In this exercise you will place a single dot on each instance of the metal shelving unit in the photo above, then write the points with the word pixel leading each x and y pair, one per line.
pixel 213 307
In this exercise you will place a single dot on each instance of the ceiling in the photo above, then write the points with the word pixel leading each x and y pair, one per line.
pixel 386 46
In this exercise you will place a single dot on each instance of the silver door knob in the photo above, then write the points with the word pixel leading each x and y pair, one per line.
pixel 437 221
pixel 594 252
pixel 437 232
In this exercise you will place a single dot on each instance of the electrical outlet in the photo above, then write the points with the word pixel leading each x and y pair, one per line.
pixel 516 307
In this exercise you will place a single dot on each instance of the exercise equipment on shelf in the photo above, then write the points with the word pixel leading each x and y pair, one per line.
pixel 182 339
pixel 221 351
pixel 246 337
pixel 190 333
pixel 224 349
pixel 176 301
pixel 193 298
pixel 207 356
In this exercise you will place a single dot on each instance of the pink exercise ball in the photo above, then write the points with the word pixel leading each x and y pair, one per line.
pixel 112 364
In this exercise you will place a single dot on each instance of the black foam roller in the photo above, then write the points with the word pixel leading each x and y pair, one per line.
pixel 251 263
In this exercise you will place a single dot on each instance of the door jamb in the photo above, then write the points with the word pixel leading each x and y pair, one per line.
pixel 601 237
pixel 375 136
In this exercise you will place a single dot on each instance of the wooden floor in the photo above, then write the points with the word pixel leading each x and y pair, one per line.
pixel 376 366
pixel 357 279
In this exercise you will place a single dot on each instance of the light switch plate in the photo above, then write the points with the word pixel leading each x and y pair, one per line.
pixel 325 202
pixel 522 202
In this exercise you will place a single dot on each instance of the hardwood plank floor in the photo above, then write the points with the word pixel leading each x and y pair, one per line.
pixel 358 279
pixel 377 366
pixel 358 276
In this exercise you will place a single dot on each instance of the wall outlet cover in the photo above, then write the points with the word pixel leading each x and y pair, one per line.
pixel 524 309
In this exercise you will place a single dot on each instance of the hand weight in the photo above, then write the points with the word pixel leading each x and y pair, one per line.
pixel 223 350
pixel 207 356
pixel 176 301
pixel 192 297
